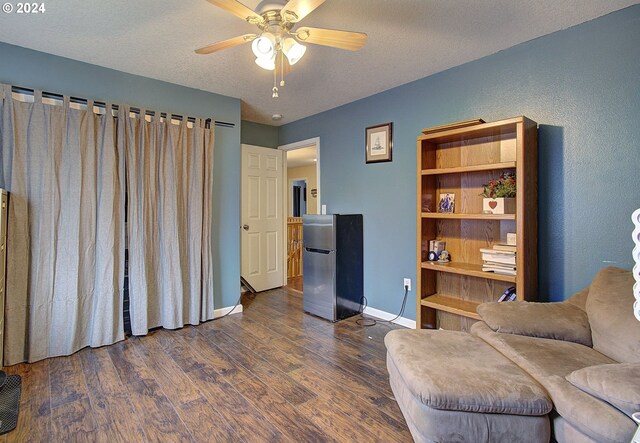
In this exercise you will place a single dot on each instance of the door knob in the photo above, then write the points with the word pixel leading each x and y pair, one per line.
pixel 245 227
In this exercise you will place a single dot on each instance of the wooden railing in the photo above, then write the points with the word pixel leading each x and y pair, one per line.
pixel 294 247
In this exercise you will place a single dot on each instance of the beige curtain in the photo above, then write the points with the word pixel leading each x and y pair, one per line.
pixel 65 175
pixel 169 184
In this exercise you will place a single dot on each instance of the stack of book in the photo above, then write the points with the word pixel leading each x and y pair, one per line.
pixel 501 259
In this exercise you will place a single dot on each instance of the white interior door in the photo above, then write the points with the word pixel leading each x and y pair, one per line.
pixel 262 217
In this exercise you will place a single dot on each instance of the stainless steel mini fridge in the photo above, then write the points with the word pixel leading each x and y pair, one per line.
pixel 333 286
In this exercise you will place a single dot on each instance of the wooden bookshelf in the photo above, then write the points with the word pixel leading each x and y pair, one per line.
pixel 459 161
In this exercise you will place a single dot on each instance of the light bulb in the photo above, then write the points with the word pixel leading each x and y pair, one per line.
pixel 293 50
pixel 266 63
pixel 264 46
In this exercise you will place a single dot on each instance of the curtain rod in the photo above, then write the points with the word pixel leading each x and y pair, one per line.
pixel 82 101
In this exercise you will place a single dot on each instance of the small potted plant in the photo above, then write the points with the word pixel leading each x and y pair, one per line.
pixel 499 195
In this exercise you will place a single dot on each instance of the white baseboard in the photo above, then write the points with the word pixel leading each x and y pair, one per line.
pixel 223 311
pixel 402 321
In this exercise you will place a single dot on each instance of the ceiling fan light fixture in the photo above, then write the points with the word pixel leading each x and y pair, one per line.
pixel 264 46
pixel 268 63
pixel 293 50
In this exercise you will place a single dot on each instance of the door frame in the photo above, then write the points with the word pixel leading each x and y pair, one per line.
pixel 285 188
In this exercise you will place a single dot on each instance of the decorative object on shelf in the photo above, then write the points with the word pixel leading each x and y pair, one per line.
pixel 456 125
pixel 379 143
pixel 511 238
pixel 314 192
pixel 447 203
pixel 508 295
pixel 436 248
pixel 499 195
pixel 444 257
pixel 427 203
pixel 635 218
pixel 499 260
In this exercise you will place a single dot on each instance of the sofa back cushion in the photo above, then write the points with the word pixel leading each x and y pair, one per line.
pixel 614 329
pixel 617 384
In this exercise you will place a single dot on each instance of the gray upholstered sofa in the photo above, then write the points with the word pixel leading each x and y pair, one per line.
pixel 531 372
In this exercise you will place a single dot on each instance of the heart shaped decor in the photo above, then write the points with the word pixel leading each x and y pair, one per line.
pixel 493 204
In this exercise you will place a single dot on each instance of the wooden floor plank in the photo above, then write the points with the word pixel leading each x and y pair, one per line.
pixel 286 417
pixel 34 418
pixel 384 426
pixel 247 421
pixel 235 350
pixel 201 419
pixel 67 380
pixel 155 411
pixel 73 421
pixel 215 359
pixel 110 401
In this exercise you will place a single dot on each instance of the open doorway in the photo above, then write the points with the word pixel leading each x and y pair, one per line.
pixel 303 197
pixel 298 197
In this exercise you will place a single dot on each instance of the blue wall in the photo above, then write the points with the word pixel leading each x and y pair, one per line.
pixel 258 134
pixel 582 86
pixel 32 69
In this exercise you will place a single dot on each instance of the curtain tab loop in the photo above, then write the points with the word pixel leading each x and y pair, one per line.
pixel 90 106
pixel 65 101
pixel 37 96
pixel 108 109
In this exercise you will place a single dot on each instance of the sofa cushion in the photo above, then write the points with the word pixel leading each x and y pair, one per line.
pixel 618 384
pixel 541 356
pixel 579 298
pixel 457 371
pixel 429 425
pixel 590 415
pixel 564 432
pixel 614 329
pixel 559 321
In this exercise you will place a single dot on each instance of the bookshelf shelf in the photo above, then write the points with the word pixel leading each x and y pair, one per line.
pixel 473 168
pixel 466 269
pixel 459 161
pixel 460 216
pixel 453 305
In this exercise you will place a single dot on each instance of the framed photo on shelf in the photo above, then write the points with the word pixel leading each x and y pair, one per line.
pixel 379 143
pixel 447 203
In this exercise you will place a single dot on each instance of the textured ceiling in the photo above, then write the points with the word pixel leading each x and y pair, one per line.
pixel 408 40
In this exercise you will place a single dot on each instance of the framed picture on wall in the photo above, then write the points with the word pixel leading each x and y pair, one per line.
pixel 379 143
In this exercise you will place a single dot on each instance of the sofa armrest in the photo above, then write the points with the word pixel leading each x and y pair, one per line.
pixel 558 321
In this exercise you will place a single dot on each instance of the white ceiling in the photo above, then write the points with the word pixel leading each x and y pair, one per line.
pixel 301 157
pixel 408 40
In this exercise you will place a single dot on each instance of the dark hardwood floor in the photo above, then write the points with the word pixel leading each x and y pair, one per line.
pixel 269 374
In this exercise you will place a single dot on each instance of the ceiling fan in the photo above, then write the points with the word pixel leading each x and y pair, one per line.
pixel 278 43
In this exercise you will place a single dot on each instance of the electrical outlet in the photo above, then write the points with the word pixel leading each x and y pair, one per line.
pixel 407 283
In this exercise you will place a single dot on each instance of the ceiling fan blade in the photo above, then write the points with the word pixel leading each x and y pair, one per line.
pixel 351 41
pixel 296 10
pixel 230 43
pixel 238 9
